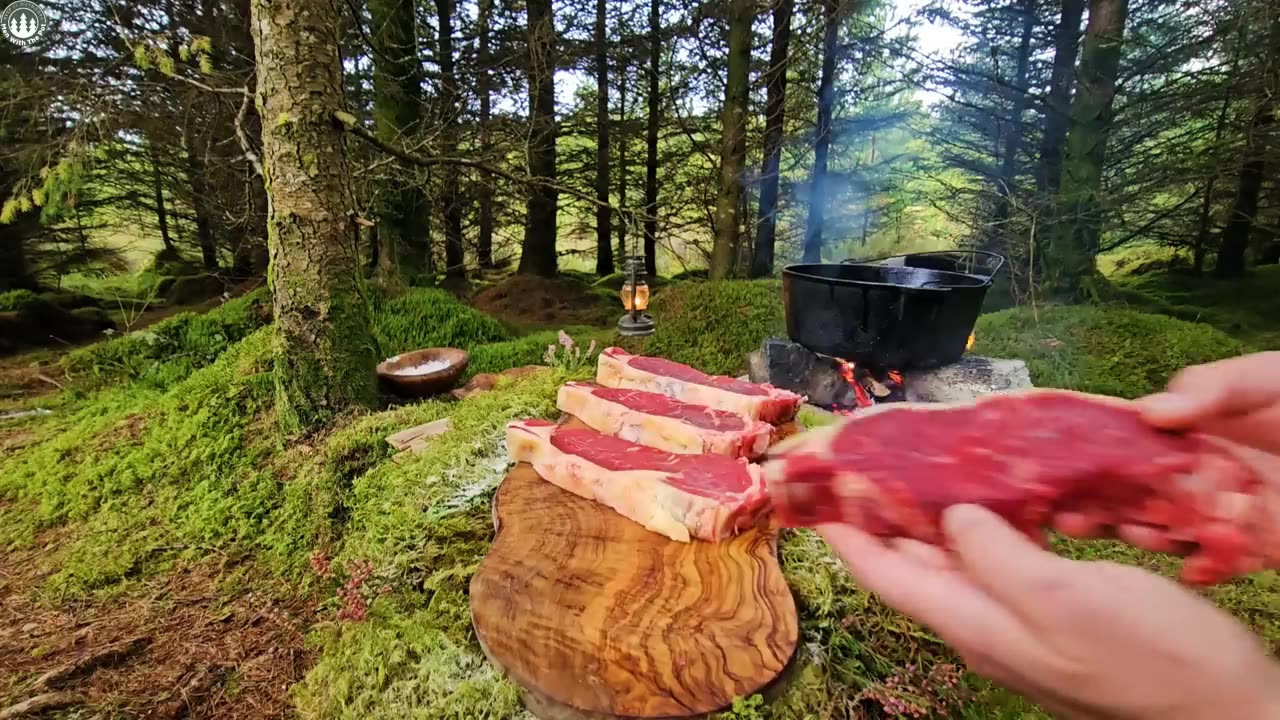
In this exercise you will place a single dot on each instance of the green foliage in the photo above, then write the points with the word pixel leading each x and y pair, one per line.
pixel 712 326
pixel 14 300
pixel 1107 350
pixel 167 352
pixel 427 317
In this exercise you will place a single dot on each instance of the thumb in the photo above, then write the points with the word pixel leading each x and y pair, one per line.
pixel 1005 563
pixel 1236 386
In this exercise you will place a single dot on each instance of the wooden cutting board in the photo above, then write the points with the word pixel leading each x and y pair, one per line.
pixel 596 617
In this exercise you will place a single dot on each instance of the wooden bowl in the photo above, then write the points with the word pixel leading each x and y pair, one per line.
pixel 432 383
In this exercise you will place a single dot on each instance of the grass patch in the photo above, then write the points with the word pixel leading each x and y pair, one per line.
pixel 712 326
pixel 1109 350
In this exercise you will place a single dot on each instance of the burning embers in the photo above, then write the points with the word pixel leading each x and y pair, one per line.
pixel 830 383
pixel 869 387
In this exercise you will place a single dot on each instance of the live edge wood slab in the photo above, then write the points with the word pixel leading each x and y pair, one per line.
pixel 596 617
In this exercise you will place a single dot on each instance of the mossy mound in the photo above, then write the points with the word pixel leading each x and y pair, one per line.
pixel 429 317
pixel 28 319
pixel 527 301
pixel 532 349
pixel 168 351
pixel 1109 350
pixel 1247 308
pixel 712 326
pixel 192 289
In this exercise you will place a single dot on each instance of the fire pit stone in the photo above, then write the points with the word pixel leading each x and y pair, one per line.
pixel 826 380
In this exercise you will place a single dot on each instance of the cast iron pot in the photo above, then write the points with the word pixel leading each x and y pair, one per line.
pixel 883 315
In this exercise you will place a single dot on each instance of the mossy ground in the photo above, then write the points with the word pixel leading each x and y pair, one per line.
pixel 163 454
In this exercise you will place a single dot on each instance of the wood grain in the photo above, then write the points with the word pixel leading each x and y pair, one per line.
pixel 599 618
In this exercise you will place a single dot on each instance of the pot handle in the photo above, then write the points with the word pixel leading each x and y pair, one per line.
pixel 990 256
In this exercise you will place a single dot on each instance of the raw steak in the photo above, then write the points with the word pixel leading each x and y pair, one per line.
pixel 681 496
pixel 1026 456
pixel 618 369
pixel 653 419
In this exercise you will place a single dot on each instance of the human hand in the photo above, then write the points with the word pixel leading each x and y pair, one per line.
pixel 1237 399
pixel 1084 639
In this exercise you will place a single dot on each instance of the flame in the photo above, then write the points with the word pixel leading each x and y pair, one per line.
pixel 896 376
pixel 969 345
pixel 846 371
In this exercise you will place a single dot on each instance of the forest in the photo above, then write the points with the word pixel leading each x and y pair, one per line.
pixel 219 216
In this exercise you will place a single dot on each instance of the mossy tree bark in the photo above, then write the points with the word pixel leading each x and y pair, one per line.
pixel 775 115
pixel 324 358
pixel 1235 236
pixel 654 120
pixel 818 186
pixel 397 114
pixel 604 247
pixel 538 254
pixel 733 141
pixel 484 88
pixel 455 258
pixel 1057 113
pixel 1071 270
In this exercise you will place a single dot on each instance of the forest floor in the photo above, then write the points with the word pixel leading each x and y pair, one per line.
pixel 164 555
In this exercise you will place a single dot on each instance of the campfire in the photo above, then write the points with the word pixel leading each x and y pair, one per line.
pixel 845 387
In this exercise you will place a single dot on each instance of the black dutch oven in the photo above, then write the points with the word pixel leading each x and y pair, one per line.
pixel 900 312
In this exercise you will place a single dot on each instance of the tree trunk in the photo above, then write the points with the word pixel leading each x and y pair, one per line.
pixel 397 115
pixel 484 243
pixel 818 189
pixel 324 354
pixel 1073 245
pixel 654 101
pixel 623 219
pixel 454 254
pixel 196 174
pixel 538 256
pixel 866 211
pixel 1057 112
pixel 157 195
pixel 1013 135
pixel 1206 203
pixel 733 145
pixel 604 248
pixel 775 111
pixel 1235 236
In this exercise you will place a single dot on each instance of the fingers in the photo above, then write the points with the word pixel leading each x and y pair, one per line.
pixel 920 584
pixel 1236 386
pixel 1002 561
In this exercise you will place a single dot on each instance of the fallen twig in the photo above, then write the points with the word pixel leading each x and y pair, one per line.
pixel 101 658
pixel 51 381
pixel 195 688
pixel 41 703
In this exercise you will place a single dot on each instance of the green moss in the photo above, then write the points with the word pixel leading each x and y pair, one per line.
pixel 167 352
pixel 427 317
pixel 1108 350
pixel 712 326
pixel 395 665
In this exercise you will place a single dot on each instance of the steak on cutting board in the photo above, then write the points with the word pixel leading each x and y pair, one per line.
pixel 710 497
pixel 663 422
pixel 619 369
pixel 1026 456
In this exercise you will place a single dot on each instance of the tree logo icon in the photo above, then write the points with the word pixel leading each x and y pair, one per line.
pixel 23 23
